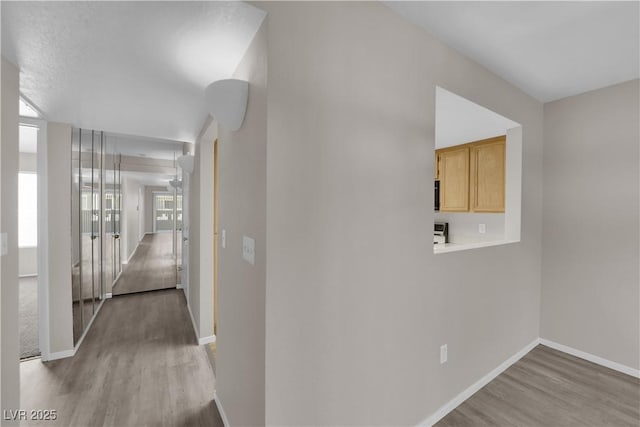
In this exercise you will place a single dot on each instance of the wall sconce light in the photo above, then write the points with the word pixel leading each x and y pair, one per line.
pixel 186 163
pixel 227 102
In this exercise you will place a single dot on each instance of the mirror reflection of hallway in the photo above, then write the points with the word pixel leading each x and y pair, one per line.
pixel 149 232
pixel 152 266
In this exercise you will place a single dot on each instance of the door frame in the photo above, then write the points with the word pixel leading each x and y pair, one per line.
pixel 215 237
pixel 43 234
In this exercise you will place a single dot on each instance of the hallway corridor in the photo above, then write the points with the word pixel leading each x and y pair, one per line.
pixel 139 365
pixel 151 267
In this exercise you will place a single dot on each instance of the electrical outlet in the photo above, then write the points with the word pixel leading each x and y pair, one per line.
pixel 223 239
pixel 443 354
pixel 482 228
pixel 248 250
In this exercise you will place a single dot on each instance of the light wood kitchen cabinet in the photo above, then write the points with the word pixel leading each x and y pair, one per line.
pixel 454 179
pixel 487 175
pixel 472 176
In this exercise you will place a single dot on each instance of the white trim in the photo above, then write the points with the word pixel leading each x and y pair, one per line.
pixel 225 420
pixel 108 295
pixel 24 276
pixel 193 322
pixel 116 279
pixel 179 286
pixel 204 340
pixel 207 340
pixel 132 254
pixel 60 355
pixel 453 403
pixel 86 330
pixel 592 358
pixel 44 333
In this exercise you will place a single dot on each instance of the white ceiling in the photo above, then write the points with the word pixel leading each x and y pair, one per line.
pixel 550 50
pixel 459 120
pixel 137 68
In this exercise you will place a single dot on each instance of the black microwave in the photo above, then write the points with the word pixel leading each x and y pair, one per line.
pixel 436 194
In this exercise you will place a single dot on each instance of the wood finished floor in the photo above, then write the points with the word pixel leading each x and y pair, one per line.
pixel 151 267
pixel 551 388
pixel 139 365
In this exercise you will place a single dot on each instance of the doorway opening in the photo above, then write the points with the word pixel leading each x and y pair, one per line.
pixel 477 176
pixel 29 132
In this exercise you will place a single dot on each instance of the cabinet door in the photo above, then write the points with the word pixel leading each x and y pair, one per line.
pixel 488 175
pixel 436 166
pixel 454 179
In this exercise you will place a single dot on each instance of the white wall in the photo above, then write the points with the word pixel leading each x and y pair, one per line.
pixel 58 188
pixel 200 211
pixel 148 206
pixel 130 216
pixel 28 262
pixel 28 162
pixel 28 257
pixel 142 214
pixel 590 277
pixel 9 338
pixel 240 362
pixel 357 303
pixel 463 227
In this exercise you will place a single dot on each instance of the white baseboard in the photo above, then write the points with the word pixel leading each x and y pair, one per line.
pixel 225 420
pixel 61 355
pixel 592 358
pixel 204 340
pixel 179 286
pixel 108 295
pixel 207 340
pixel 193 322
pixel 88 328
pixel 132 253
pixel 453 403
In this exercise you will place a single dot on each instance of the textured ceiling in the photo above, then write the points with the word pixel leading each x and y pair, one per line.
pixel 137 68
pixel 550 50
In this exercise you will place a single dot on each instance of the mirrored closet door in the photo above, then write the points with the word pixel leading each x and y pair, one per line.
pixel 87 221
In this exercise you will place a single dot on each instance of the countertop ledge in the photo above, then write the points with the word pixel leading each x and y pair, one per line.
pixel 455 247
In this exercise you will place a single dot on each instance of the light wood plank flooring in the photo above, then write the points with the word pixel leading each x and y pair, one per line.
pixel 551 388
pixel 139 365
pixel 151 267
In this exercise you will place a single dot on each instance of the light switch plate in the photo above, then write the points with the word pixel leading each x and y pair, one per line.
pixel 482 228
pixel 249 250
pixel 3 244
pixel 223 239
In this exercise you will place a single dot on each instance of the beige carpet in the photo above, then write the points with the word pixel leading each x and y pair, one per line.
pixel 28 317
